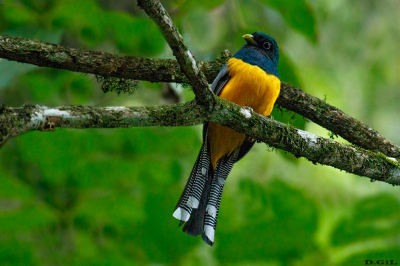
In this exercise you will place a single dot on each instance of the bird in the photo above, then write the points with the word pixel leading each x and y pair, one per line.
pixel 250 79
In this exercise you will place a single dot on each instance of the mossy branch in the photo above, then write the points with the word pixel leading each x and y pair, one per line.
pixel 335 120
pixel 300 143
pixel 166 70
pixel 15 121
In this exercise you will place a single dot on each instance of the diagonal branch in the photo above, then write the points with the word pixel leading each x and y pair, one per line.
pixel 182 53
pixel 310 146
pixel 165 70
pixel 316 149
pixel 335 120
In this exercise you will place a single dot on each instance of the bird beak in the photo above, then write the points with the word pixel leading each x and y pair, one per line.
pixel 249 39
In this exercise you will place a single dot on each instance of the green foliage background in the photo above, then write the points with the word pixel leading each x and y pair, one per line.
pixel 106 197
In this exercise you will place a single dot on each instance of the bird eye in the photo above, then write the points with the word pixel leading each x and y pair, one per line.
pixel 267 45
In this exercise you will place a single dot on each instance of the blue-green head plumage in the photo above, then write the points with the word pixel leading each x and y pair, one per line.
pixel 260 50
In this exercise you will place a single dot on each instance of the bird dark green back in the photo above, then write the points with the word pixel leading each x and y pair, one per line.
pixel 250 79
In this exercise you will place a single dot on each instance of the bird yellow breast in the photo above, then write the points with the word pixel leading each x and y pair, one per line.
pixel 249 86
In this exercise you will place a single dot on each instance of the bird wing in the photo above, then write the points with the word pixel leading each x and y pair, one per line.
pixel 221 80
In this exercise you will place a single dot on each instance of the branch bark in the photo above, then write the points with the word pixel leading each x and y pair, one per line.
pixel 316 149
pixel 15 121
pixel 335 120
pixel 166 70
pixel 300 143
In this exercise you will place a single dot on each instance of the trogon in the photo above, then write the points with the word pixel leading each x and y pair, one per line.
pixel 250 78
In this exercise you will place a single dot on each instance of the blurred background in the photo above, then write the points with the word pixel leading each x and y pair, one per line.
pixel 106 197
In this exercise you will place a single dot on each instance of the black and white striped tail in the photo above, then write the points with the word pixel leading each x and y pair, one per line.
pixel 224 167
pixel 200 200
pixel 191 195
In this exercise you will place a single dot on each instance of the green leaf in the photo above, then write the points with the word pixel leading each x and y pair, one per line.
pixel 17 249
pixel 135 36
pixel 275 223
pixel 84 19
pixel 187 6
pixel 298 15
pixel 26 218
pixel 287 70
pixel 47 87
pixel 372 217
pixel 17 14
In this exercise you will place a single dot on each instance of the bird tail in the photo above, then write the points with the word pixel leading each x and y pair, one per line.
pixel 199 203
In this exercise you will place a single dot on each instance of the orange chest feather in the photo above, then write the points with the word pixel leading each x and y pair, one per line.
pixel 251 86
pixel 248 86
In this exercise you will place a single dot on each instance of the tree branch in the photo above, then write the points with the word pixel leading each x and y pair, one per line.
pixel 310 146
pixel 45 54
pixel 335 120
pixel 15 121
pixel 182 53
pixel 165 70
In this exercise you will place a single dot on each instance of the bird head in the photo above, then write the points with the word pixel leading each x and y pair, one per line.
pixel 264 42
